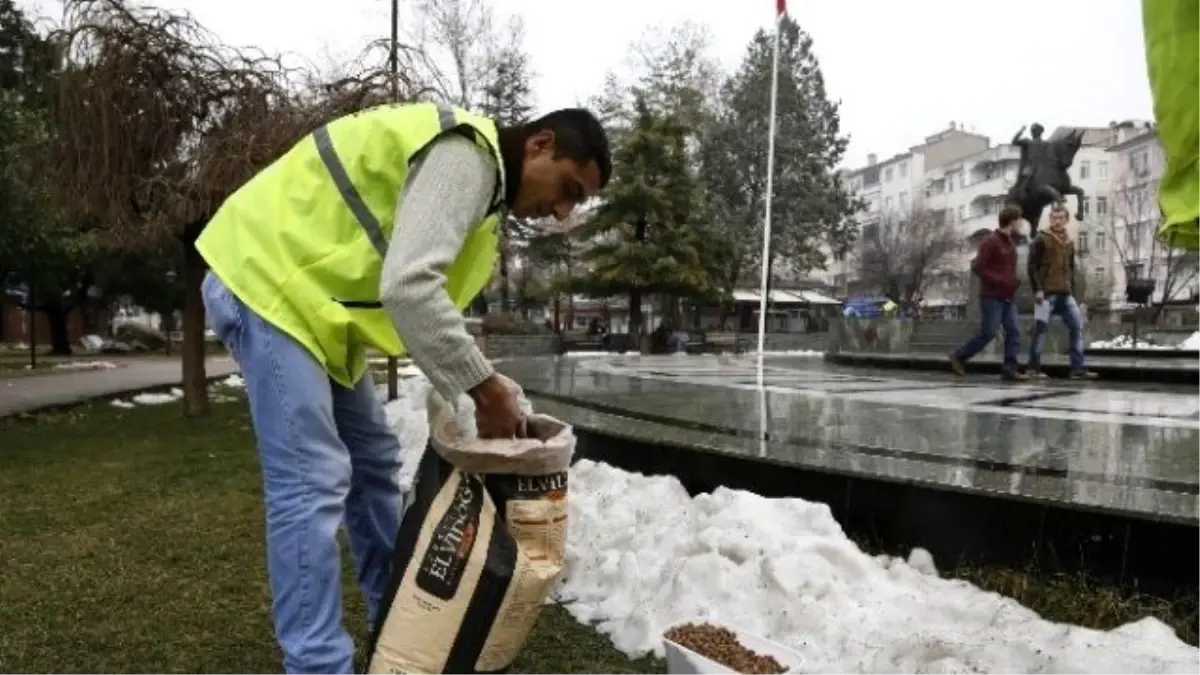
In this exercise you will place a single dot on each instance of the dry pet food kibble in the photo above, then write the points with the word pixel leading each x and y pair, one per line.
pixel 721 645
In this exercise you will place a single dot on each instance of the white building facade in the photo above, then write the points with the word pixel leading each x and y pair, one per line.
pixel 962 180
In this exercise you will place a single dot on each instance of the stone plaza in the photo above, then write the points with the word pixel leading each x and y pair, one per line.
pixel 1092 475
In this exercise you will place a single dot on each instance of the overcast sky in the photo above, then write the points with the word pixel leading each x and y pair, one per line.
pixel 902 69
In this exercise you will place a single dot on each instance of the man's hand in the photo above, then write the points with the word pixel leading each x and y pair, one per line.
pixel 497 414
pixel 1039 297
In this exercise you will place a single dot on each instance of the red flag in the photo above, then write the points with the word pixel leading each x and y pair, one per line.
pixel 780 7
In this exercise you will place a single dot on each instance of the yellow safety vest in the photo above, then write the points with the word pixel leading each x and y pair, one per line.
pixel 302 243
pixel 1170 29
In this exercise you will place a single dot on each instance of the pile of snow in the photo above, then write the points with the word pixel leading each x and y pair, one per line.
pixel 809 353
pixel 234 381
pixel 596 355
pixel 221 392
pixel 85 365
pixel 158 398
pixel 148 398
pixel 1127 342
pixel 643 555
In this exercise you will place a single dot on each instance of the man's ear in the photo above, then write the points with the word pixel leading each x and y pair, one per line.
pixel 541 142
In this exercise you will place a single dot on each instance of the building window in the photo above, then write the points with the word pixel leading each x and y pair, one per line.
pixel 1139 162
pixel 904 202
pixel 1099 241
pixel 1085 206
pixel 903 169
pixel 1083 242
pixel 887 175
pixel 1101 206
pixel 1085 169
pixel 1102 169
pixel 887 204
pixel 962 213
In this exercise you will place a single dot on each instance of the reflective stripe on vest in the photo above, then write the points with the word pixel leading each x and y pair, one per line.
pixel 345 186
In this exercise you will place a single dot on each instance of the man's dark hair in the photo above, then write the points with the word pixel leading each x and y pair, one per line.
pixel 1009 215
pixel 578 135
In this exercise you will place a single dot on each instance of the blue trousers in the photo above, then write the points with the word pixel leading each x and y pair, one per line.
pixel 1064 305
pixel 997 314
pixel 327 456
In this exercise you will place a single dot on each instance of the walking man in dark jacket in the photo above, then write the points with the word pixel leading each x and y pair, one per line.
pixel 1052 274
pixel 996 266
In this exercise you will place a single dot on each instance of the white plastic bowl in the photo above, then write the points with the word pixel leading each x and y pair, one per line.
pixel 682 660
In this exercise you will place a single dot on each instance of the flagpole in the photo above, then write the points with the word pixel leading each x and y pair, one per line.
pixel 766 248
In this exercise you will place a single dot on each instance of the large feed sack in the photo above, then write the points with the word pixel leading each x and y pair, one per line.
pixel 480 548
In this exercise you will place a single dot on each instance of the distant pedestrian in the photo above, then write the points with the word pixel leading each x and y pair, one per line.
pixel 996 266
pixel 1052 274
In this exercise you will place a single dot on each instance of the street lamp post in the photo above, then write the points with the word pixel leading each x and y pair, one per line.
pixel 393 365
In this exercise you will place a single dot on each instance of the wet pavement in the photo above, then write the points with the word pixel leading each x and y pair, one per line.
pixel 23 394
pixel 1131 449
pixel 1181 368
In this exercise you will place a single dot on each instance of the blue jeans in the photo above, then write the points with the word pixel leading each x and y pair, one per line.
pixel 327 454
pixel 997 314
pixel 1064 305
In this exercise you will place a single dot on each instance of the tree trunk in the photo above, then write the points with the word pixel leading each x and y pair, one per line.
pixel 167 326
pixel 195 381
pixel 56 319
pixel 503 279
pixel 635 318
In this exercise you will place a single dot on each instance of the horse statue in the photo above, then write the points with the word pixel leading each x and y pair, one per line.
pixel 1043 179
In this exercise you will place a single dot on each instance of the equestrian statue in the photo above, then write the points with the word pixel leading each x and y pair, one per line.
pixel 1042 179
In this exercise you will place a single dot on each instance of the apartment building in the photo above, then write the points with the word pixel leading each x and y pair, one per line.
pixel 899 184
pixel 966 180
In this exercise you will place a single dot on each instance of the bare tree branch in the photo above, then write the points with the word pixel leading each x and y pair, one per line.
pixel 903 256
pixel 1132 226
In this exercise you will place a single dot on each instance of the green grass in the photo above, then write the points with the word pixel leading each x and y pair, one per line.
pixel 1076 599
pixel 131 541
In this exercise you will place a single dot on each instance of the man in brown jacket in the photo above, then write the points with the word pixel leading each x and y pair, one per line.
pixel 1052 274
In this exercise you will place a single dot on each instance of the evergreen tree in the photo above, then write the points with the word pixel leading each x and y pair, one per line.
pixel 37 250
pixel 811 209
pixel 647 235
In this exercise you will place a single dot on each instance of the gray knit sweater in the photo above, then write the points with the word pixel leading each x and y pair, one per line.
pixel 447 193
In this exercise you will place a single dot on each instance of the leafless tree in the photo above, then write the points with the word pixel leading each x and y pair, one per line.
pixel 464 44
pixel 905 255
pixel 156 122
pixel 1133 227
